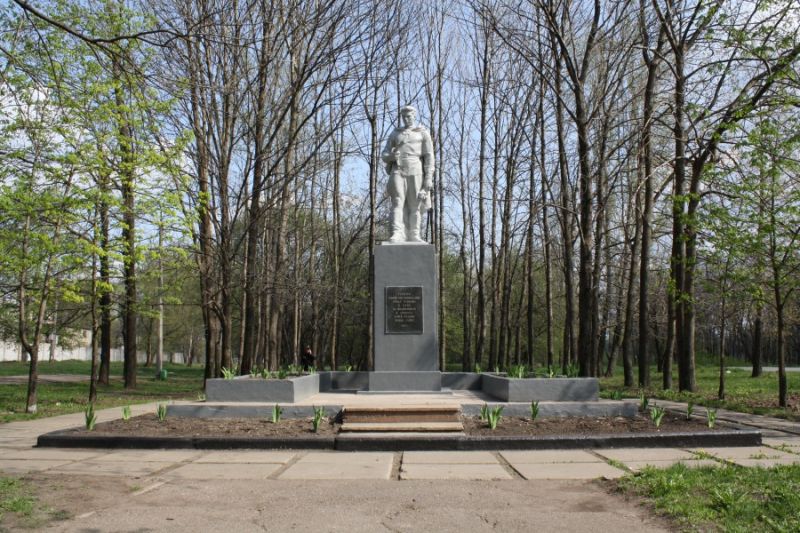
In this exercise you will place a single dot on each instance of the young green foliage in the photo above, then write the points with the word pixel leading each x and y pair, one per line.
pixel 689 410
pixel 161 412
pixel 517 371
pixel 657 414
pixel 484 412
pixel 276 413
pixel 534 410
pixel 126 412
pixel 644 401
pixel 319 414
pixel 573 370
pixel 90 417
pixel 494 415
pixel 228 373
pixel 711 416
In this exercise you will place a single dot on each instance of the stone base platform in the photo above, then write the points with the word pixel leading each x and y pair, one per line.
pixel 470 407
pixel 399 381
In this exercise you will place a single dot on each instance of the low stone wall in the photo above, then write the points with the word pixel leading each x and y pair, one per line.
pixel 247 389
pixel 340 380
pixel 541 389
pixel 461 381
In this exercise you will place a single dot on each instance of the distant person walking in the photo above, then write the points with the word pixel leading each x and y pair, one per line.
pixel 307 359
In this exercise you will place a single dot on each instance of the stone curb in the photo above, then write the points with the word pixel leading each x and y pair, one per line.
pixel 64 439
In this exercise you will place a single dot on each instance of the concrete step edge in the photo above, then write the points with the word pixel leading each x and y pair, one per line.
pixel 402 426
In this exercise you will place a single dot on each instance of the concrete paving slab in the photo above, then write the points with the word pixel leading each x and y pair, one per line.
pixel 102 468
pixel 25 466
pixel 646 454
pixel 791 442
pixel 341 466
pixel 148 456
pixel 250 457
pixel 768 463
pixel 443 458
pixel 346 457
pixel 568 471
pixel 223 471
pixel 636 466
pixel 453 471
pixel 54 454
pixel 549 456
pixel 746 452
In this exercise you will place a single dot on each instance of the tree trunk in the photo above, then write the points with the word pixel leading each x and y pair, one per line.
pixel 757 346
pixel 127 179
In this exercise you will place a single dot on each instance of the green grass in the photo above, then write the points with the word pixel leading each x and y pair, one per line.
pixel 725 498
pixel 15 497
pixel 21 509
pixel 64 398
pixel 742 393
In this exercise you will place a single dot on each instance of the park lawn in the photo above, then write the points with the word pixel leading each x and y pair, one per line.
pixel 725 498
pixel 742 393
pixel 63 398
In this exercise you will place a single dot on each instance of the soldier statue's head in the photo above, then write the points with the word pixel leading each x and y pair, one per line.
pixel 408 116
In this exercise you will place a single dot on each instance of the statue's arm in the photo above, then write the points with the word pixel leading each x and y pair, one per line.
pixel 427 160
pixel 387 154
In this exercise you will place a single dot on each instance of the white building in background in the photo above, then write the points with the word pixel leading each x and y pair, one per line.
pixel 81 351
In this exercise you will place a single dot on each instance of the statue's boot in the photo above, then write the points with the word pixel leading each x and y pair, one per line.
pixel 412 230
pixel 398 231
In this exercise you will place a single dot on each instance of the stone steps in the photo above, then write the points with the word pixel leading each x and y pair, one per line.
pixel 410 418
pixel 415 427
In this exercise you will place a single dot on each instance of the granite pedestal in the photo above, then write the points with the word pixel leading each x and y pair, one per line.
pixel 405 322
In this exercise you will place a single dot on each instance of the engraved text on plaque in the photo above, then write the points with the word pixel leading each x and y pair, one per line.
pixel 404 310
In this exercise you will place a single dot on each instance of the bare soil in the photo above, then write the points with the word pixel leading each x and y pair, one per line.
pixel 515 426
pixel 148 425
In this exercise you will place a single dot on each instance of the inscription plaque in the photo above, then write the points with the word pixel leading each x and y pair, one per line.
pixel 403 310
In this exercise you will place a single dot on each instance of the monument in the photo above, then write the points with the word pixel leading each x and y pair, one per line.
pixel 405 320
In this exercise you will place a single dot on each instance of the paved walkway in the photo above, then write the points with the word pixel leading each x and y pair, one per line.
pixel 765 368
pixel 44 378
pixel 18 455
pixel 179 490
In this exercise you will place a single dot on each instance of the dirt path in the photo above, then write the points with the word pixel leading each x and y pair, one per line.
pixel 45 378
pixel 349 506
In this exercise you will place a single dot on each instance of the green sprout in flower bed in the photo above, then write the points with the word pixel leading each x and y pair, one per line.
pixel 319 414
pixel 657 414
pixel 711 416
pixel 644 401
pixel 689 410
pixel 517 371
pixel 276 413
pixel 484 412
pixel 161 412
pixel 494 416
pixel 228 373
pixel 534 410
pixel 126 412
pixel 90 417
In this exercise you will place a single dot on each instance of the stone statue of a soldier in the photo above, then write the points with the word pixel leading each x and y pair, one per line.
pixel 408 155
